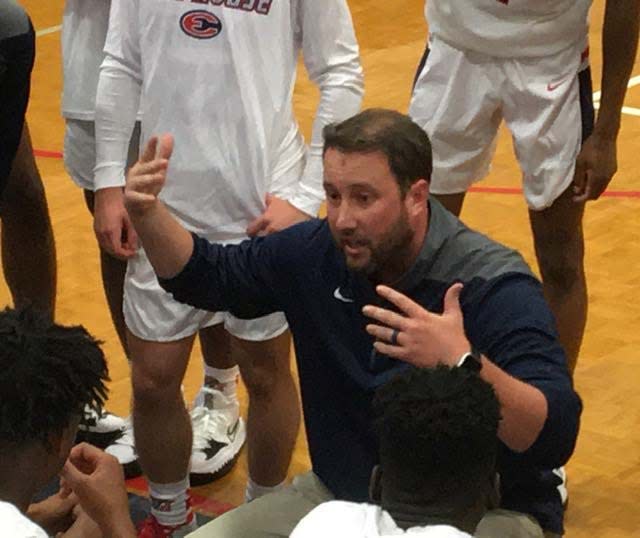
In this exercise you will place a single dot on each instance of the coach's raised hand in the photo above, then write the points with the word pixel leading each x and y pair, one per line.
pixel 167 244
pixel 147 177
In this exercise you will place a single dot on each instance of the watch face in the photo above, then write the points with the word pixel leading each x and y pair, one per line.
pixel 472 362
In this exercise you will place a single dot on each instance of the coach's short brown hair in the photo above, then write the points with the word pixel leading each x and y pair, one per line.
pixel 404 143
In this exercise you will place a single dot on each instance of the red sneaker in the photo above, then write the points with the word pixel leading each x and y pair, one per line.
pixel 151 528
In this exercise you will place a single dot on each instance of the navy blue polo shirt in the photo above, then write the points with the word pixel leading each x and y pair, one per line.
pixel 301 272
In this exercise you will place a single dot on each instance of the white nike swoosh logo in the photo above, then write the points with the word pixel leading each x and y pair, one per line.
pixel 340 297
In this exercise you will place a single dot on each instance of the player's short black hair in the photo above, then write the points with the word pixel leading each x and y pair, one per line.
pixel 396 135
pixel 437 432
pixel 48 374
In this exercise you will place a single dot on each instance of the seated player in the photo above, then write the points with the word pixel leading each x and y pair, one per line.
pixel 437 431
pixel 48 374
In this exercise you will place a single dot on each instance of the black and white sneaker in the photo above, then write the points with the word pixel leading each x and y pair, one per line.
pixel 114 435
pixel 100 429
pixel 561 473
pixel 218 436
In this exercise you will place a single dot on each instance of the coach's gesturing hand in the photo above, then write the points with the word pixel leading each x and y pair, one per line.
pixel 147 177
pixel 166 242
pixel 416 335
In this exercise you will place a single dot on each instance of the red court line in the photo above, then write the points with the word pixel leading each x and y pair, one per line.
pixel 514 190
pixel 47 154
pixel 200 503
pixel 487 190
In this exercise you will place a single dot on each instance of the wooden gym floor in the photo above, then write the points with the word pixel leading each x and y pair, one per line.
pixel 604 474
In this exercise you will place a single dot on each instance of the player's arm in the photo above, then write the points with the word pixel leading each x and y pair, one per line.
pixel 332 59
pixel 117 103
pixel 597 162
pixel 118 94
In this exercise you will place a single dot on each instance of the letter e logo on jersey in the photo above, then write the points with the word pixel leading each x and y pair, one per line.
pixel 200 24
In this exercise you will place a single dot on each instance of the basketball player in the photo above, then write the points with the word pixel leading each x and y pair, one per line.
pixel 84 28
pixel 28 249
pixel 437 429
pixel 221 74
pixel 526 62
pixel 48 374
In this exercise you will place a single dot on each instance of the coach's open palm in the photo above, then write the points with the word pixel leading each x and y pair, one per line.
pixel 416 335
pixel 147 177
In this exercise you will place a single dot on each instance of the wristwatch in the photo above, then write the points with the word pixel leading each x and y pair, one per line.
pixel 471 360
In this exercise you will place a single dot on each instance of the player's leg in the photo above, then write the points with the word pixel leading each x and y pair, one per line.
pixel 559 246
pixel 262 350
pixel 550 115
pixel 161 332
pixel 162 426
pixel 28 248
pixel 452 202
pixel 456 102
pixel 218 431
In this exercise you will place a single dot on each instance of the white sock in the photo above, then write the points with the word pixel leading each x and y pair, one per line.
pixel 169 502
pixel 223 379
pixel 254 491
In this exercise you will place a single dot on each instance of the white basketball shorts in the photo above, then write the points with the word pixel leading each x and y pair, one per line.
pixel 461 97
pixel 153 314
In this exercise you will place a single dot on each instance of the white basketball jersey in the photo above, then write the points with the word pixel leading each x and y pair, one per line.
pixel 219 75
pixel 84 28
pixel 341 519
pixel 509 28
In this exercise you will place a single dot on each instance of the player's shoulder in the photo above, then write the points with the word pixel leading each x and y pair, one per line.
pixel 334 518
pixel 13 523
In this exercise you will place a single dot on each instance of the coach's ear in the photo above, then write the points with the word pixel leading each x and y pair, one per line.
pixel 375 485
pixel 416 198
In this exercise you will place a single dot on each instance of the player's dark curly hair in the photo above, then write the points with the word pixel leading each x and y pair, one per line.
pixel 48 373
pixel 396 135
pixel 437 431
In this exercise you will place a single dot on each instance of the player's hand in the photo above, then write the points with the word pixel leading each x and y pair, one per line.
pixel 595 166
pixel 147 177
pixel 278 215
pixel 98 481
pixel 55 513
pixel 423 338
pixel 82 526
pixel 112 225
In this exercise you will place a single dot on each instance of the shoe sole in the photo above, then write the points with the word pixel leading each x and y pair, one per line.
pixel 101 440
pixel 200 479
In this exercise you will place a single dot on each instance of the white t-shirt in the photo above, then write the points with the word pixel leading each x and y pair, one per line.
pixel 221 79
pixel 341 519
pixel 84 29
pixel 509 28
pixel 13 524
